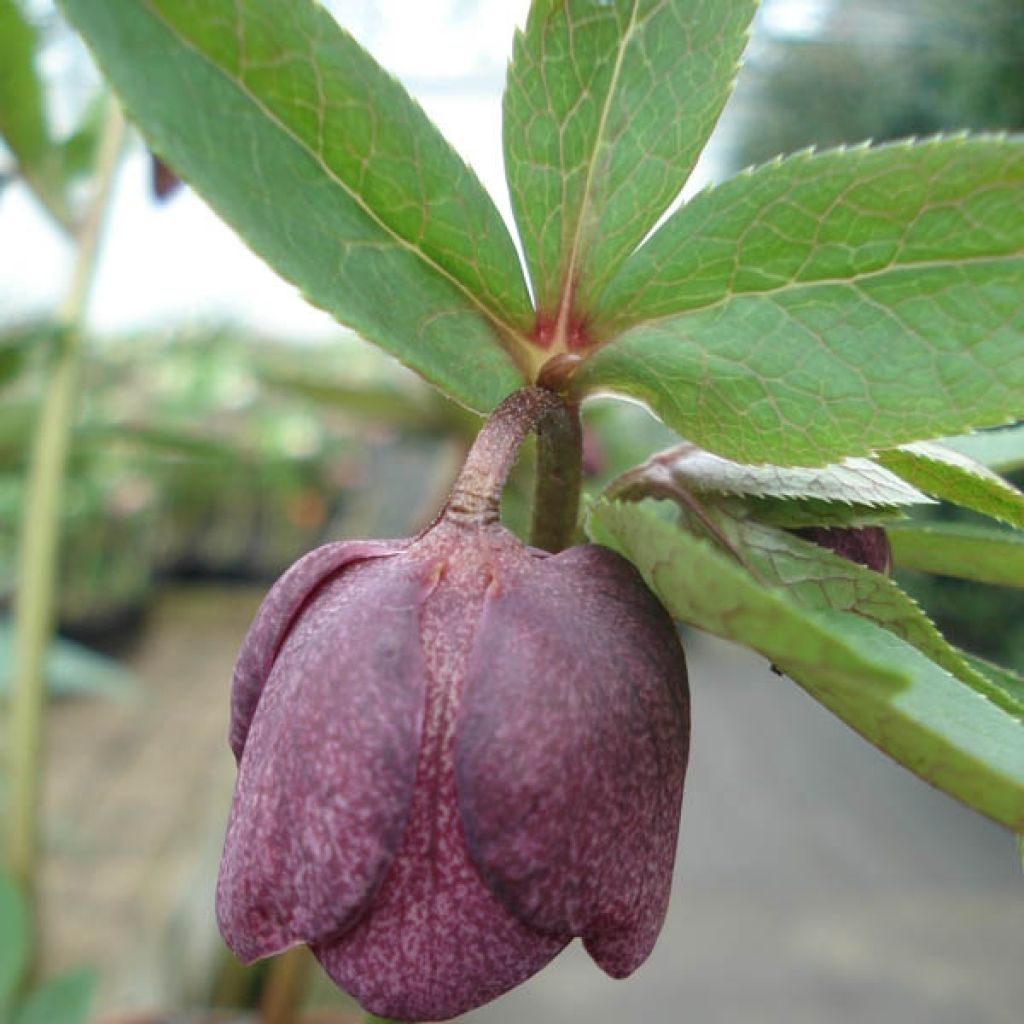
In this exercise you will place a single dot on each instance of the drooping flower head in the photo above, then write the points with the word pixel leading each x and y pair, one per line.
pixel 455 754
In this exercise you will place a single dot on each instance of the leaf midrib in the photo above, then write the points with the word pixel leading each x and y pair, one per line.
pixel 620 327
pixel 565 299
pixel 503 329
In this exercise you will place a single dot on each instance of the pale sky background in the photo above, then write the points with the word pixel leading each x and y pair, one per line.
pixel 177 262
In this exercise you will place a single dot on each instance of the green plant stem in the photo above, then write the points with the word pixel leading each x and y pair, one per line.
pixel 556 492
pixel 285 986
pixel 34 595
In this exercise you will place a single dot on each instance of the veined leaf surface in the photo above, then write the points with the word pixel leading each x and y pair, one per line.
pixel 948 474
pixel 607 107
pixel 330 171
pixel 851 482
pixel 830 304
pixel 942 730
pixel 708 589
pixel 820 579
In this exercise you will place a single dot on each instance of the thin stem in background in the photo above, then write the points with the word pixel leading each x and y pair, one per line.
pixel 37 553
pixel 285 987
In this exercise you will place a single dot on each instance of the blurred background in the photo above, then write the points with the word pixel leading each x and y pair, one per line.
pixel 224 427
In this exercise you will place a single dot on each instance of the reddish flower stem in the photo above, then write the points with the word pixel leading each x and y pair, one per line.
pixel 476 496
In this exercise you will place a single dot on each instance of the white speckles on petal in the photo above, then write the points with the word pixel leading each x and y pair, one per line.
pixel 437 942
pixel 464 754
pixel 276 616
pixel 572 749
pixel 326 777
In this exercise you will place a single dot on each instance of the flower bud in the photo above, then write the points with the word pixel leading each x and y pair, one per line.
pixel 868 545
pixel 456 753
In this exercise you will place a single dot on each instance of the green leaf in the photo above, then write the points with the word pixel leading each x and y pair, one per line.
pixel 607 107
pixel 960 549
pixel 13 352
pixel 944 731
pixel 14 940
pixel 952 476
pixel 710 590
pixel 22 113
pixel 329 171
pixel 851 492
pixel 1006 679
pixel 66 999
pixel 852 481
pixel 820 579
pixel 829 304
pixel 80 149
pixel 22 120
pixel 1000 450
pixel 793 513
pixel 817 578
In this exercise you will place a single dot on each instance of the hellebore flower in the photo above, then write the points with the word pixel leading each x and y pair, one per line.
pixel 456 753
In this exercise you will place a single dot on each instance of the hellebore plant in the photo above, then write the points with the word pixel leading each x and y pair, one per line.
pixel 805 326
pixel 455 754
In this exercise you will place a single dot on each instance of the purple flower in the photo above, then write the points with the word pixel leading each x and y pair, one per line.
pixel 455 754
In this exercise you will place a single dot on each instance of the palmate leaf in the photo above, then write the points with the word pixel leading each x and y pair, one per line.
pixel 999 450
pixel 829 304
pixel 960 549
pixel 944 731
pixel 328 170
pixel 952 476
pixel 607 107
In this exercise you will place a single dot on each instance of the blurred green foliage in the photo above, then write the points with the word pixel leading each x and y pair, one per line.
pixel 191 457
pixel 878 70
pixel 65 999
pixel 209 452
pixel 881 70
